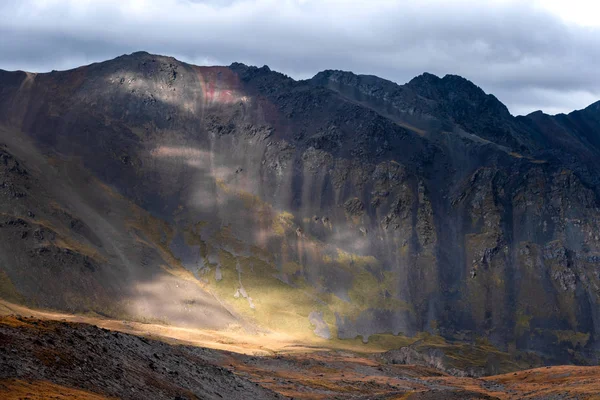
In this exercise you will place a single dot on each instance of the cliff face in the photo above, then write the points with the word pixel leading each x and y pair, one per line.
pixel 340 206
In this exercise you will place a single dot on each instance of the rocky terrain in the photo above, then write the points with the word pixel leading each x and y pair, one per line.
pixel 339 208
pixel 113 364
pixel 41 359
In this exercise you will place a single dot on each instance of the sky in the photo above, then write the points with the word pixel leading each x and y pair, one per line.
pixel 532 55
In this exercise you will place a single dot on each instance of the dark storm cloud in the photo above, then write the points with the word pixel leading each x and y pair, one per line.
pixel 526 56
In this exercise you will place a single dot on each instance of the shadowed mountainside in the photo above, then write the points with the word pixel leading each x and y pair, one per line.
pixel 343 206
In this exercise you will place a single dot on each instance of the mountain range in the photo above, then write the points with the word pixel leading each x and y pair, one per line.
pixel 339 208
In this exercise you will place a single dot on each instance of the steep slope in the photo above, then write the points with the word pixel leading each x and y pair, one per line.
pixel 344 206
pixel 70 242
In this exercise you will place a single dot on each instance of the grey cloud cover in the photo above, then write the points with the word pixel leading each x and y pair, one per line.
pixel 530 59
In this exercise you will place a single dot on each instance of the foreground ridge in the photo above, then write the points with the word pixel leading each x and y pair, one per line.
pixel 83 361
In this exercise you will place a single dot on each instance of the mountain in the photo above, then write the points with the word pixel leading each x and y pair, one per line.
pixel 340 207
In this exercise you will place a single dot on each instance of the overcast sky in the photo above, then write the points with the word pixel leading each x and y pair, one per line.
pixel 531 54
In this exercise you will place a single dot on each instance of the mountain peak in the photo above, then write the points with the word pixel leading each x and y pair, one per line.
pixel 432 86
pixel 537 113
pixel 457 82
pixel 336 75
pixel 140 55
pixel 425 78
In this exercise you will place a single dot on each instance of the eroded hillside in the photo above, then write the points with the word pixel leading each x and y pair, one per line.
pixel 342 207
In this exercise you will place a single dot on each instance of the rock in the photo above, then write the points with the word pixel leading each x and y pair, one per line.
pixel 354 207
pixel 321 327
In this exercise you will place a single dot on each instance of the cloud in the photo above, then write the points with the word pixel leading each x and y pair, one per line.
pixel 531 55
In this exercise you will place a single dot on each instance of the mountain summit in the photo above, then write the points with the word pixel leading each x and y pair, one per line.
pixel 339 207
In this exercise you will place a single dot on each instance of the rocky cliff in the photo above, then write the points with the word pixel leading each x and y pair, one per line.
pixel 342 206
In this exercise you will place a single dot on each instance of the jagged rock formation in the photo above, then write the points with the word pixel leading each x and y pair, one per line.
pixel 379 208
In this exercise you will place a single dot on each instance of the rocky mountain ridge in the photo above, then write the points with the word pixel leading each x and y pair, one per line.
pixel 345 205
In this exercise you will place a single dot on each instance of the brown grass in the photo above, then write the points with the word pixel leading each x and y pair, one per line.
pixel 15 389
pixel 580 382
